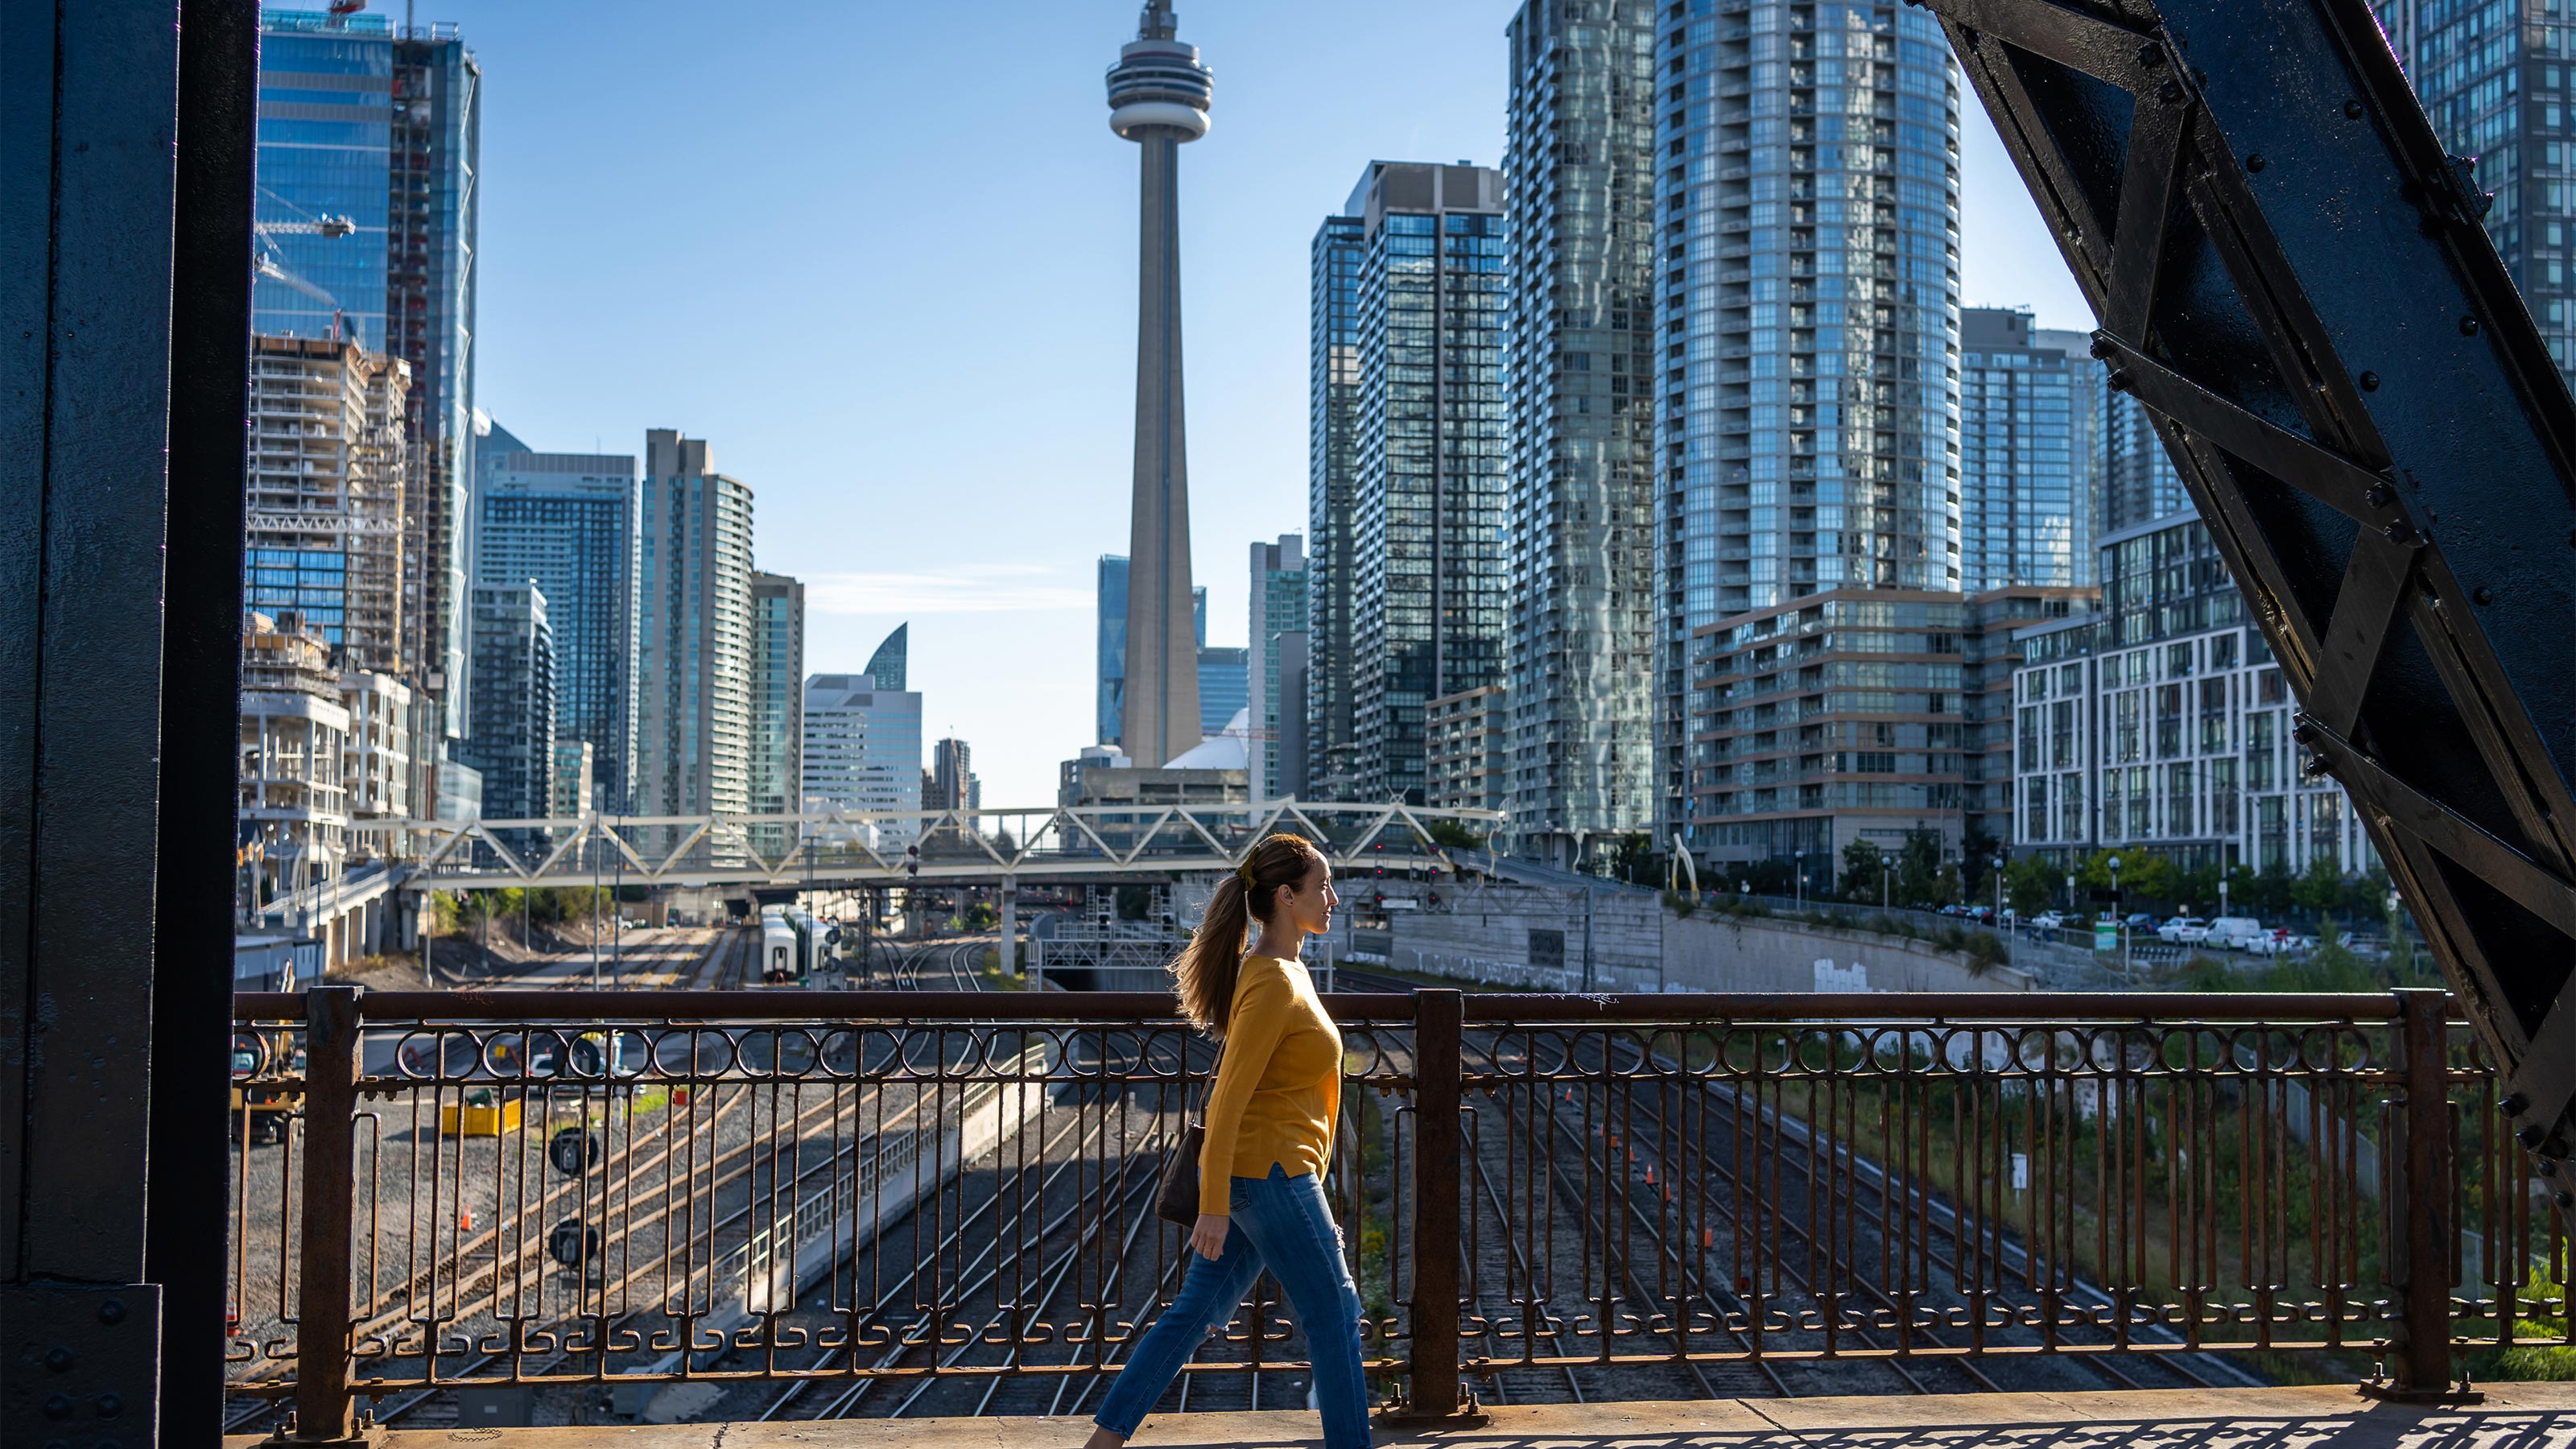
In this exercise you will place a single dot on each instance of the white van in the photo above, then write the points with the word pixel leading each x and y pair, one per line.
pixel 2232 932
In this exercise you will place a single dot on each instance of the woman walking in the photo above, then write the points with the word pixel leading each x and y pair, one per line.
pixel 1269 1136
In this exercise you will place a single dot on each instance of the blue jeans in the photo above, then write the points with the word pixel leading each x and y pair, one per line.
pixel 1282 1223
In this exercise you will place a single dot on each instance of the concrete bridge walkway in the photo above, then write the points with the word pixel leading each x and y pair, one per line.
pixel 2510 1416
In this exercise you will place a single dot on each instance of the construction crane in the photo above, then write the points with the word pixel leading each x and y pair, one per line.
pixel 2293 276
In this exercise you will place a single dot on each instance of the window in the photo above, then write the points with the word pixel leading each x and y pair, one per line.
pixel 2034 793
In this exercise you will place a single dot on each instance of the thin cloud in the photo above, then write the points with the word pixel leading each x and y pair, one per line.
pixel 964 589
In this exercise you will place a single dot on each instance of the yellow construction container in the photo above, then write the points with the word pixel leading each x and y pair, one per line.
pixel 489 1119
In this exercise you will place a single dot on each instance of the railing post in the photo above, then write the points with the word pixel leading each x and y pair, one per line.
pixel 1432 1388
pixel 322 1398
pixel 2420 1365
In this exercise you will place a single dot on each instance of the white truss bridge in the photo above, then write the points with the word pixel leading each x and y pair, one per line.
pixel 837 849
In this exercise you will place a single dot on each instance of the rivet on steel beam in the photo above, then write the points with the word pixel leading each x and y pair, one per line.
pixel 2468 327
pixel 2532 1137
pixel 2398 532
pixel 2255 161
pixel 2169 92
pixel 2563 1198
pixel 2370 382
pixel 109 1406
pixel 59 1359
pixel 2119 379
pixel 58 1406
pixel 2304 731
pixel 2482 595
pixel 2101 345
pixel 2514 1104
pixel 2545 1166
pixel 2379 495
pixel 2150 56
pixel 112 1312
pixel 2352 110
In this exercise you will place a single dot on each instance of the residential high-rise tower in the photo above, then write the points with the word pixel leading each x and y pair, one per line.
pixel 777 703
pixel 1578 740
pixel 1275 746
pixel 2032 464
pixel 693 648
pixel 1158 98
pixel 1808 246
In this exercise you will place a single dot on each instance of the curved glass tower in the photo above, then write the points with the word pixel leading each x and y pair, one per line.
pixel 1158 98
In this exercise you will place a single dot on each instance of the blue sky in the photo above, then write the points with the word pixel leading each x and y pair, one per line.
pixel 882 256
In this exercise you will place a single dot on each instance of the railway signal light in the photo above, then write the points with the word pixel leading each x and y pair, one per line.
pixel 573 1149
pixel 571 1242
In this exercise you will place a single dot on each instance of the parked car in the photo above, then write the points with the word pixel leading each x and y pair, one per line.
pixel 1983 914
pixel 2047 921
pixel 2184 931
pixel 2140 921
pixel 2232 932
pixel 2280 942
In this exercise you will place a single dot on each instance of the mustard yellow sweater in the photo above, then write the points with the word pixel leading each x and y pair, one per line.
pixel 1279 1087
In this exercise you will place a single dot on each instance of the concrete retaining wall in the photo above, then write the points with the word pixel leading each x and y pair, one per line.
pixel 1533 938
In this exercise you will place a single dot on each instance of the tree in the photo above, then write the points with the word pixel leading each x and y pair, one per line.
pixel 2029 884
pixel 1455 836
pixel 1977 851
pixel 2270 892
pixel 2321 889
pixel 1860 880
pixel 1919 876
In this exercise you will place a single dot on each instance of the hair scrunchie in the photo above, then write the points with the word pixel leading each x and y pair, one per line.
pixel 1243 873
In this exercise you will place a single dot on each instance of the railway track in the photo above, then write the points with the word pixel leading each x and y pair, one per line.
pixel 1664 1136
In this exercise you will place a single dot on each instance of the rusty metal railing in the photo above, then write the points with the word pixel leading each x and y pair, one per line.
pixel 821 1203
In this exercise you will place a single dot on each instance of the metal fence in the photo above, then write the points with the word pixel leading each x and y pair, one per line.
pixel 940 1202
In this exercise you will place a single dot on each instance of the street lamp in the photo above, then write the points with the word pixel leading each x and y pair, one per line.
pixel 2012 929
pixel 2116 904
pixel 1886 863
pixel 1798 887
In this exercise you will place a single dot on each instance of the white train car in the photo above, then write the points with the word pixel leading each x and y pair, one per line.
pixel 781 949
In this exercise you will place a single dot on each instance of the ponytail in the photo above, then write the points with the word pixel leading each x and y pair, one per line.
pixel 1206 968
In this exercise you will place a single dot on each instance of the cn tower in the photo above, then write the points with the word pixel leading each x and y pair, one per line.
pixel 1158 98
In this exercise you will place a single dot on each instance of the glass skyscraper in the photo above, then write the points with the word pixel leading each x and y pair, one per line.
pixel 1809 241
pixel 1225 687
pixel 862 748
pixel 777 704
pixel 1578 745
pixel 569 521
pixel 2139 483
pixel 2495 80
pixel 1111 643
pixel 2031 457
pixel 366 208
pixel 1425 518
pixel 513 737
pixel 1275 751
pixel 1332 465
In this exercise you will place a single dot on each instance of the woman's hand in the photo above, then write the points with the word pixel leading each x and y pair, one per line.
pixel 1208 1238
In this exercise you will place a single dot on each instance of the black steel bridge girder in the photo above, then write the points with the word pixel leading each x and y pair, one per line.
pixel 2292 275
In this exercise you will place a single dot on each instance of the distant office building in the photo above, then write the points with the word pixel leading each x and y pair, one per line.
pixel 1467 750
pixel 862 748
pixel 2163 721
pixel 1419 528
pixel 891 665
pixel 513 737
pixel 2031 453
pixel 1068 790
pixel 369 149
pixel 1807 432
pixel 952 784
pixel 1856 714
pixel 328 461
pixel 569 522
pixel 2140 484
pixel 777 705
pixel 1277 734
pixel 1110 647
pixel 1225 687
pixel 1111 642
pixel 460 791
pixel 576 781
pixel 1579 352
pixel 694 634
pixel 2492 82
